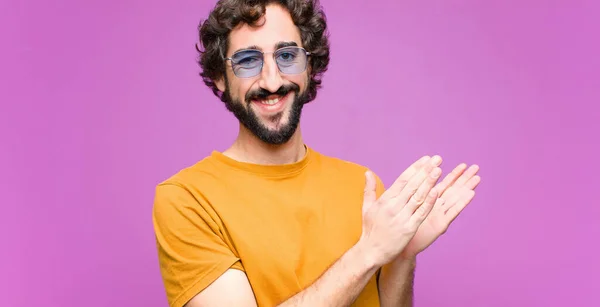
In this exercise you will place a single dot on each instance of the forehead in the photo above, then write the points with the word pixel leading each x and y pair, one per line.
pixel 276 26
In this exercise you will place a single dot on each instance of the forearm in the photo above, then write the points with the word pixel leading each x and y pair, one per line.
pixel 396 283
pixel 341 284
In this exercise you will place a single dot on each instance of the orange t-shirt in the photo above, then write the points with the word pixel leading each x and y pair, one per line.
pixel 283 225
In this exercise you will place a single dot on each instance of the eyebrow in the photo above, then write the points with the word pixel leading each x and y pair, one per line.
pixel 285 44
pixel 277 46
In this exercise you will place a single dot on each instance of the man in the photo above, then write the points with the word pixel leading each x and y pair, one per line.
pixel 272 222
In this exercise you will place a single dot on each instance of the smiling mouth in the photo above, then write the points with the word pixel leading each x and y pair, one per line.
pixel 271 101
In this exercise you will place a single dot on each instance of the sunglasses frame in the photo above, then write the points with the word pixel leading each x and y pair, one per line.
pixel 263 60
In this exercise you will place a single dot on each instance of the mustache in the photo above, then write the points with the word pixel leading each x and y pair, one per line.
pixel 261 93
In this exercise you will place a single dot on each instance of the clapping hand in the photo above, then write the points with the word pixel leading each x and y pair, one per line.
pixel 455 192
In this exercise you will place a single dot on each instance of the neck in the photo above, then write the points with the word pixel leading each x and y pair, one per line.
pixel 249 149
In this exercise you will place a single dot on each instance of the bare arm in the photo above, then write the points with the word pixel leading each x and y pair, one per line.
pixel 340 285
pixel 230 289
pixel 396 283
pixel 389 223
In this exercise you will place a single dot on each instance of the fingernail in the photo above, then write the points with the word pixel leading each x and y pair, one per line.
pixel 436 160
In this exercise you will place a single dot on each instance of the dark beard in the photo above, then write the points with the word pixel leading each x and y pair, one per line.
pixel 250 120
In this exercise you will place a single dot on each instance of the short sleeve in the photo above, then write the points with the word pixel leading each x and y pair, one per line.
pixel 192 252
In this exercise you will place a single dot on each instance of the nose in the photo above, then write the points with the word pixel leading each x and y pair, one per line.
pixel 270 78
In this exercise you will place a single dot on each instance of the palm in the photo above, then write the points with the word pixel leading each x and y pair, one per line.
pixel 456 192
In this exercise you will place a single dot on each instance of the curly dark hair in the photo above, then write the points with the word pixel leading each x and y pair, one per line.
pixel 307 15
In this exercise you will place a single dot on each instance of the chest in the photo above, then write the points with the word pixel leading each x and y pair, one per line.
pixel 287 235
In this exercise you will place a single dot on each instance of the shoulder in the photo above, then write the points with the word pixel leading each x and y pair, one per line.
pixel 186 187
pixel 342 167
pixel 338 163
pixel 203 175
pixel 192 174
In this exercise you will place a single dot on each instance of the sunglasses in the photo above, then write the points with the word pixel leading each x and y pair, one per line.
pixel 248 63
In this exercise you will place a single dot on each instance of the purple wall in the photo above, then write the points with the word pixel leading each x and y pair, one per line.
pixel 101 101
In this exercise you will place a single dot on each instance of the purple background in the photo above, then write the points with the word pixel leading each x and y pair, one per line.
pixel 101 101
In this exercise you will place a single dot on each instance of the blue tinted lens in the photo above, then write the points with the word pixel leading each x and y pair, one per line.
pixel 291 60
pixel 247 63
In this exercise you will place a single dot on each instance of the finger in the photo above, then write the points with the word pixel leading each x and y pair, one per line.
pixel 455 192
pixel 453 211
pixel 402 180
pixel 419 197
pixel 451 178
pixel 423 210
pixel 468 174
pixel 415 181
pixel 370 195
pixel 452 195
pixel 473 182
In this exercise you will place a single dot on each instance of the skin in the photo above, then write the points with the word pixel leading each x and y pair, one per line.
pixel 456 191
pixel 278 27
pixel 405 220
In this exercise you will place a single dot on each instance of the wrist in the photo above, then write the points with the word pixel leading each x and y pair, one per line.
pixel 365 256
pixel 406 258
pixel 400 266
pixel 402 262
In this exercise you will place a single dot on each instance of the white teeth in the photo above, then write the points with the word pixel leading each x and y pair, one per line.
pixel 270 101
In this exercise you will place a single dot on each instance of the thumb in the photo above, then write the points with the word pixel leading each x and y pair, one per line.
pixel 370 190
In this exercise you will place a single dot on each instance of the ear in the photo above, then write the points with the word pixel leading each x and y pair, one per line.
pixel 220 83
